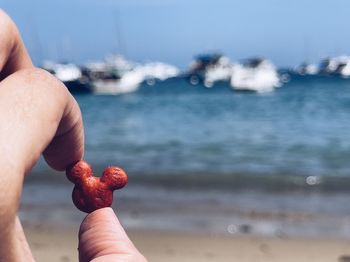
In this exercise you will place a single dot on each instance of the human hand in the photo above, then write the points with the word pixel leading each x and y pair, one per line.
pixel 39 116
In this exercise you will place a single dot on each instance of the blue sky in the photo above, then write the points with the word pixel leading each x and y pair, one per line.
pixel 172 31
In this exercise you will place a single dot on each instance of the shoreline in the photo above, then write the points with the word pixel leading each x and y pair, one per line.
pixel 247 213
pixel 61 245
pixel 181 225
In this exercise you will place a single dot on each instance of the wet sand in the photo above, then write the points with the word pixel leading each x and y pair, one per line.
pixel 191 226
pixel 60 245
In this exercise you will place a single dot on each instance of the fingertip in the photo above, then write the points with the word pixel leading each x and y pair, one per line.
pixel 102 215
pixel 101 234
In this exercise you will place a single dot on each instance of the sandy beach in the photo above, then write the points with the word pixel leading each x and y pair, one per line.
pixel 60 245
pixel 170 226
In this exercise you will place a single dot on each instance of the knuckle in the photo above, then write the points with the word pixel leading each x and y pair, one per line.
pixel 41 76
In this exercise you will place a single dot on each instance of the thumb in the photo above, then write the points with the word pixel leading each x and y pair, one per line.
pixel 103 239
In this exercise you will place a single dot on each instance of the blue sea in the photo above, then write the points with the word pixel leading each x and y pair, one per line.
pixel 176 130
pixel 274 163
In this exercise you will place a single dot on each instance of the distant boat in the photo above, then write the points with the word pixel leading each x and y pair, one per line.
pixel 70 74
pixel 343 69
pixel 255 74
pixel 105 76
pixel 208 69
pixel 127 83
pixel 156 71
pixel 307 69
pixel 117 75
pixel 335 66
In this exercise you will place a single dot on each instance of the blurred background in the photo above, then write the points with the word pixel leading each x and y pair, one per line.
pixel 230 117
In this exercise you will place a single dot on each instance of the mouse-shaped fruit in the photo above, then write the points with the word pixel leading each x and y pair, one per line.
pixel 91 193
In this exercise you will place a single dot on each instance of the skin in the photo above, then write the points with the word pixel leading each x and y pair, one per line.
pixel 39 116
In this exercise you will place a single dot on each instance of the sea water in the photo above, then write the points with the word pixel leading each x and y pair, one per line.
pixel 175 129
pixel 274 163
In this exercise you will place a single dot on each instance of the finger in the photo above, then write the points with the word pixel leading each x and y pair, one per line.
pixel 102 238
pixel 37 109
pixel 67 146
pixel 13 54
pixel 15 248
pixel 22 241
pixel 33 107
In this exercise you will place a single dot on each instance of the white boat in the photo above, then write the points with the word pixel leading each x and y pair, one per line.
pixel 157 71
pixel 127 83
pixel 256 74
pixel 344 69
pixel 70 74
pixel 113 67
pixel 307 69
pixel 118 76
pixel 220 71
pixel 114 76
pixel 335 66
pixel 64 72
pixel 209 68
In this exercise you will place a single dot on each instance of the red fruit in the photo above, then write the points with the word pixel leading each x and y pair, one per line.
pixel 90 192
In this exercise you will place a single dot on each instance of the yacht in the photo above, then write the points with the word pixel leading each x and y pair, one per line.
pixel 118 76
pixel 307 69
pixel 156 71
pixel 70 74
pixel 208 69
pixel 335 66
pixel 255 74
pixel 112 76
pixel 344 69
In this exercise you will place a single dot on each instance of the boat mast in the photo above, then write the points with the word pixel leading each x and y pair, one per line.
pixel 120 47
